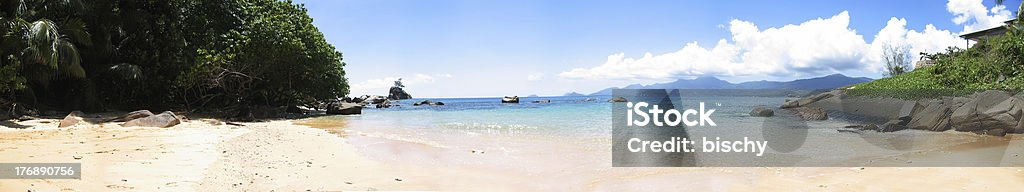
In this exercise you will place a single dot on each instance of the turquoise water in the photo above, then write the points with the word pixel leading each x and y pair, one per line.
pixel 563 116
pixel 532 131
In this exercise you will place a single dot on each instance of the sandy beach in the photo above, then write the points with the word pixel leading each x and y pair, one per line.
pixel 309 155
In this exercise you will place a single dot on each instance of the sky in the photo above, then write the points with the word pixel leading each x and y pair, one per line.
pixel 473 48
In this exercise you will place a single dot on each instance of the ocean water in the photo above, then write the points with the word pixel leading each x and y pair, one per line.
pixel 582 127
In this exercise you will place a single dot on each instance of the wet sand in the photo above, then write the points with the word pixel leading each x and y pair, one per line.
pixel 293 156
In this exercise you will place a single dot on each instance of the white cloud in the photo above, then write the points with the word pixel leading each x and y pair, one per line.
pixel 975 16
pixel 823 45
pixel 381 86
pixel 814 47
pixel 930 40
pixel 535 77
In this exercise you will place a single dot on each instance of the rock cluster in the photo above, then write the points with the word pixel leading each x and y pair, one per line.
pixel 762 111
pixel 617 99
pixel 992 112
pixel 428 102
pixel 508 99
pixel 165 119
pixel 397 93
pixel 344 108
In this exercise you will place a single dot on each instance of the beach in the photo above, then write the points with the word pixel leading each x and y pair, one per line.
pixel 328 155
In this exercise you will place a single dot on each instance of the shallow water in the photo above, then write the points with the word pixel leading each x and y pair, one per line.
pixel 572 127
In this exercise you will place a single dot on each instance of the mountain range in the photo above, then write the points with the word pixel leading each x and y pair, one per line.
pixel 709 82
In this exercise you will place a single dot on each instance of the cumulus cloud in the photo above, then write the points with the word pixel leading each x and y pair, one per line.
pixel 380 86
pixel 814 47
pixel 974 16
pixel 817 46
pixel 895 33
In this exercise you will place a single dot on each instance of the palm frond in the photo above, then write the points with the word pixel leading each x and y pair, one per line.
pixel 43 36
pixel 70 60
pixel 127 71
pixel 13 33
pixel 76 30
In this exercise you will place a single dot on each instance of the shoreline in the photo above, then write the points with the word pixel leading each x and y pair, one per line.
pixel 300 155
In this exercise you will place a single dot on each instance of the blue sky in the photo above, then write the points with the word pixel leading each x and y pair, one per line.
pixel 471 48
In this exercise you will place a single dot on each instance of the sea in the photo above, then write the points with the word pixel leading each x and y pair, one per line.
pixel 580 127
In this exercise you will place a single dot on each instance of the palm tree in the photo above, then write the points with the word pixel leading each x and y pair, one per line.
pixel 46 52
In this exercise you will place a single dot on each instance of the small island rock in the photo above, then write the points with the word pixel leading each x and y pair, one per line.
pixel 762 112
pixel 512 99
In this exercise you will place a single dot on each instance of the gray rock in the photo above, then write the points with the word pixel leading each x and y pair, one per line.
pixel 996 132
pixel 397 93
pixel 907 111
pixel 762 111
pixel 343 108
pixel 808 100
pixel 892 126
pixel 1020 126
pixel 427 102
pixel 72 119
pixel 512 99
pixel 988 110
pixel 374 99
pixel 869 127
pixel 933 117
pixel 812 113
pixel 617 99
pixel 165 119
pixel 131 116
pixel 542 101
pixel 384 104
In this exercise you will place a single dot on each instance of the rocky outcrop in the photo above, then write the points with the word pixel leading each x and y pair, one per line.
pixel 931 115
pixel 397 93
pixel 893 126
pixel 344 108
pixel 812 113
pixel 512 99
pixel 988 110
pixel 165 119
pixel 991 112
pixel 132 116
pixel 72 119
pixel 762 111
pixel 367 99
pixel 385 104
pixel 427 102
pixel 617 99
pixel 803 102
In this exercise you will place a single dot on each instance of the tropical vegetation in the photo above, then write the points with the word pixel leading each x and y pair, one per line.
pixel 995 62
pixel 229 55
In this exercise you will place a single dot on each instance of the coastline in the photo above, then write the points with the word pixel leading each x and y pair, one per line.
pixel 292 155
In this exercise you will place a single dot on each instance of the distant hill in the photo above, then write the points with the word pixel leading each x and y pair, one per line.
pixel 574 94
pixel 825 82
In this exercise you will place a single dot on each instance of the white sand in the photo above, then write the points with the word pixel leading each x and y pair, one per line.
pixel 282 156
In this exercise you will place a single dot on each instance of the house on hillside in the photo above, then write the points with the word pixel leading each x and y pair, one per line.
pixel 984 34
pixel 973 36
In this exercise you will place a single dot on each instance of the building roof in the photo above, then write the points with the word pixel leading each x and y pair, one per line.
pixel 978 35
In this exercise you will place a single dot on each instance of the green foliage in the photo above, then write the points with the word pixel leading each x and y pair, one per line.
pixel 993 63
pixel 166 54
